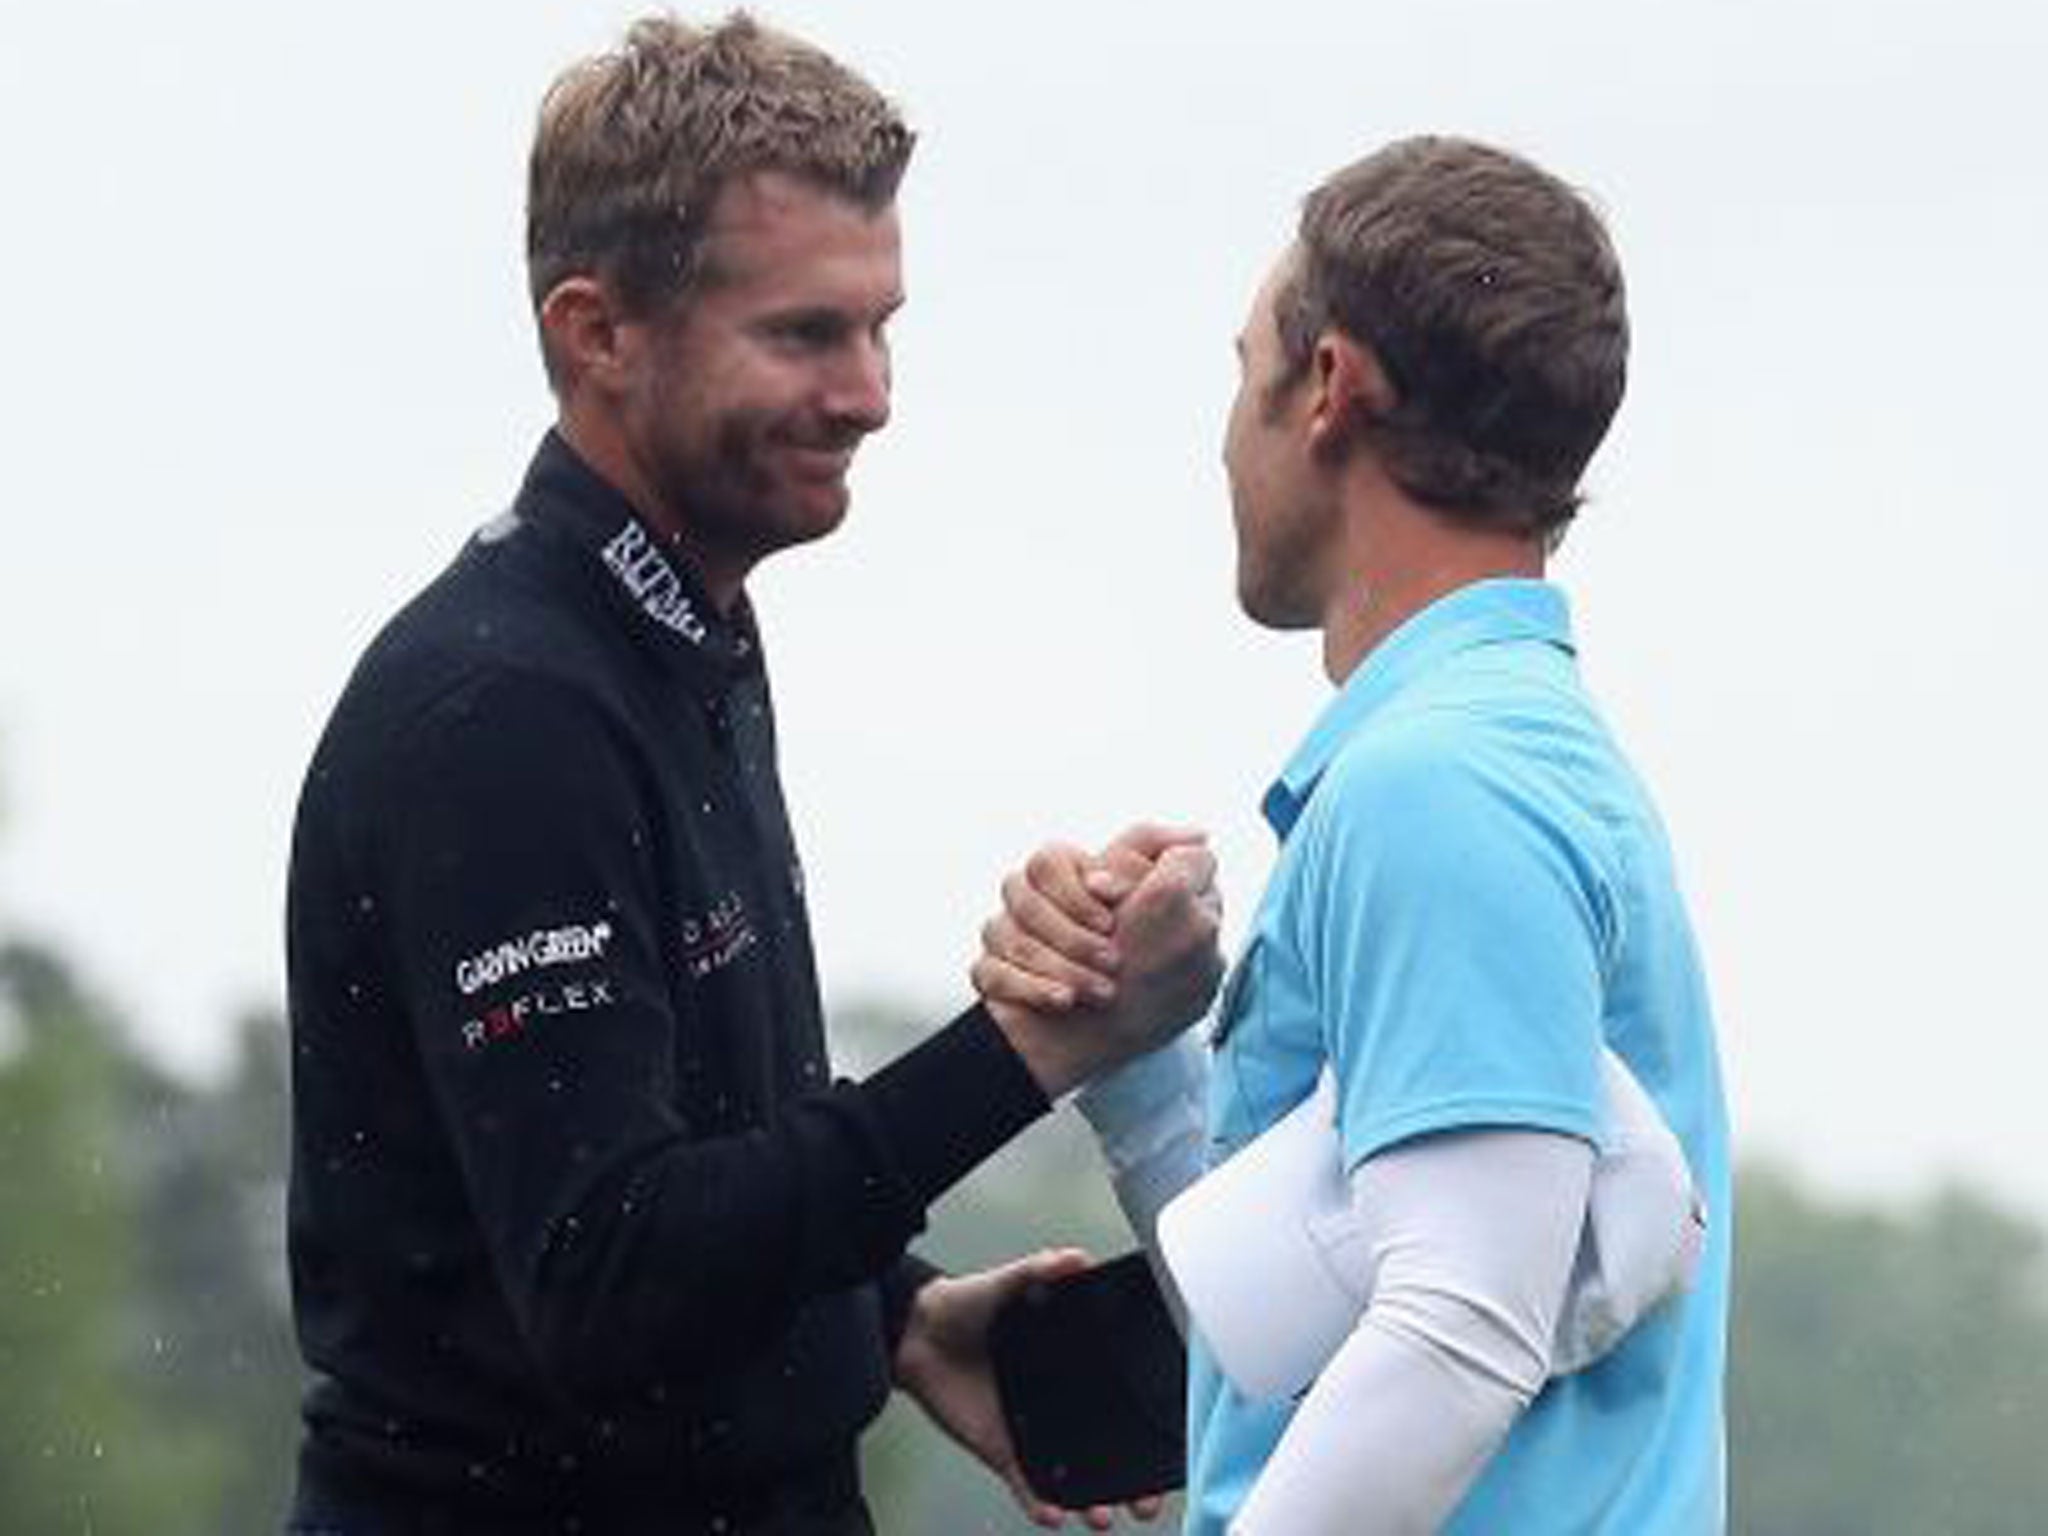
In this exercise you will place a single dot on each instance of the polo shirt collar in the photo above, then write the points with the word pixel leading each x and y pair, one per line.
pixel 1484 613
pixel 649 578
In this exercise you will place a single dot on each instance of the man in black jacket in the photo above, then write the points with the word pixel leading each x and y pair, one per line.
pixel 584 1236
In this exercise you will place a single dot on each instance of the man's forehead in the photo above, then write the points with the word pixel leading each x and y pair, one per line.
pixel 776 243
pixel 772 227
pixel 766 199
pixel 1278 272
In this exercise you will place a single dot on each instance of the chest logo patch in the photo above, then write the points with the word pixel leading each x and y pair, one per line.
pixel 567 945
pixel 714 939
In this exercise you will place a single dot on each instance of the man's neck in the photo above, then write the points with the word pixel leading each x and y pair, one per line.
pixel 1409 557
pixel 602 448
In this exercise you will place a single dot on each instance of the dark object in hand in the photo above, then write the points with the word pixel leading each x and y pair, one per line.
pixel 1094 1384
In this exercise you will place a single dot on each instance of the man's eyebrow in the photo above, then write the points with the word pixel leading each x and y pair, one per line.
pixel 805 316
pixel 808 311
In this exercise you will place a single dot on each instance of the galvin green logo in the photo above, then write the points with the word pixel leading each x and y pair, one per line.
pixel 533 951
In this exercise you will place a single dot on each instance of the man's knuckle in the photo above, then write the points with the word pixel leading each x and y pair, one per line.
pixel 1047 865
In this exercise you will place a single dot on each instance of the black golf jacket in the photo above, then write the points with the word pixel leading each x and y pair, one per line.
pixel 583 1235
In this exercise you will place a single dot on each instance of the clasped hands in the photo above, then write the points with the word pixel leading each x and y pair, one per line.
pixel 1096 959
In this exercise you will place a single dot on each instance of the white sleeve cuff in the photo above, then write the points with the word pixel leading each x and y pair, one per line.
pixel 1147 1103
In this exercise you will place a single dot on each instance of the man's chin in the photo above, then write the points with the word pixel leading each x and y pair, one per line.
pixel 815 509
pixel 1269 610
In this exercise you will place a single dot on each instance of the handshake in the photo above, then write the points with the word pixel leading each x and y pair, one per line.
pixel 1098 958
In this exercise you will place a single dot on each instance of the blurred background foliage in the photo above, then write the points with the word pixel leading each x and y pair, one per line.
pixel 1890 1365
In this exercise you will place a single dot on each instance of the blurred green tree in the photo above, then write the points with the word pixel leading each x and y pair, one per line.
pixel 146 1377
pixel 87 1438
pixel 212 1237
pixel 1889 1368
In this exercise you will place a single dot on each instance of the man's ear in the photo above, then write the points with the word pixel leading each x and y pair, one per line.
pixel 587 334
pixel 1351 390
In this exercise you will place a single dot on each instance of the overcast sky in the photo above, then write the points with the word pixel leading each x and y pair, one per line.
pixel 269 362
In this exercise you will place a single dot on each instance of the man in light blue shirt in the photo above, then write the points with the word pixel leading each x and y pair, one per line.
pixel 1473 893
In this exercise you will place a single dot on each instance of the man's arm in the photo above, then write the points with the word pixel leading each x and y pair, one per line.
pixel 636 1248
pixel 1468 1238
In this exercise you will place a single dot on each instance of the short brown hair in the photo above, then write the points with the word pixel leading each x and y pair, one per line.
pixel 633 147
pixel 1490 294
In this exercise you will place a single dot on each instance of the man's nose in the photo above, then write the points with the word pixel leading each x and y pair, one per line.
pixel 860 386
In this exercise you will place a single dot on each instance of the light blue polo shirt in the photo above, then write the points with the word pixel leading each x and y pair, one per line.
pixel 1472 893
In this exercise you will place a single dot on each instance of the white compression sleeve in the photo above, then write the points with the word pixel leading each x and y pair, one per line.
pixel 1149 1120
pixel 1470 1236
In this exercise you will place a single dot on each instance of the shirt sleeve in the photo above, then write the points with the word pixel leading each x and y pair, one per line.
pixel 523 905
pixel 1469 1240
pixel 1456 933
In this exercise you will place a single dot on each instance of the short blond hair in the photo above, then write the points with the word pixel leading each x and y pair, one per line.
pixel 633 147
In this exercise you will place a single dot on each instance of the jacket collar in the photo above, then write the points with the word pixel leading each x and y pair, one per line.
pixel 648 578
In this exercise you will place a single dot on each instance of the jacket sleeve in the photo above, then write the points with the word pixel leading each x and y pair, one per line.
pixel 519 874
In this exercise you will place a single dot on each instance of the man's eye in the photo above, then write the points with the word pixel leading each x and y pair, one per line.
pixel 812 331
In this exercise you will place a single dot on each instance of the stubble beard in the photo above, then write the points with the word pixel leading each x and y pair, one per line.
pixel 1278 575
pixel 730 500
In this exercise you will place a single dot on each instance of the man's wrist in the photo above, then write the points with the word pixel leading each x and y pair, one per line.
pixel 1044 1047
pixel 910 1357
pixel 899 1290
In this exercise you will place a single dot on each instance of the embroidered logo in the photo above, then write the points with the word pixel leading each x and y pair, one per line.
pixel 719 937
pixel 534 951
pixel 509 1019
pixel 643 570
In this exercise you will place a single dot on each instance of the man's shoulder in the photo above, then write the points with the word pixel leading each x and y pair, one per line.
pixel 1492 728
pixel 1433 791
pixel 484 635
pixel 1412 754
pixel 494 601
